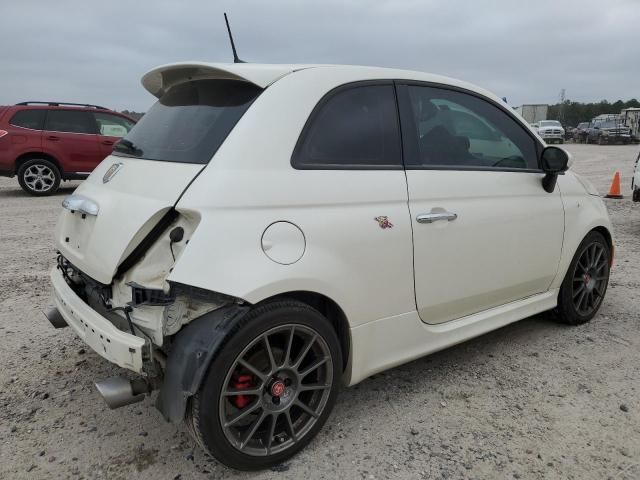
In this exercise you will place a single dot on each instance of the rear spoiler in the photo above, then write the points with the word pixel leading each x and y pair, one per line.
pixel 160 79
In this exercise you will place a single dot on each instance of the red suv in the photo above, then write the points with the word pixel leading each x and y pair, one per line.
pixel 46 142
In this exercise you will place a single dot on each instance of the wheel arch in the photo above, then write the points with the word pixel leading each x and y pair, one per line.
pixel 25 157
pixel 330 310
pixel 604 231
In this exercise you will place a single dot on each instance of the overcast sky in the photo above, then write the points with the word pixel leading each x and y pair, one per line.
pixel 96 51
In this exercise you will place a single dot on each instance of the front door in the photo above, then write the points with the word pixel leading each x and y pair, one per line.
pixel 485 231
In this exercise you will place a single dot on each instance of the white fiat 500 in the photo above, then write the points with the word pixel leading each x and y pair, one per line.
pixel 268 232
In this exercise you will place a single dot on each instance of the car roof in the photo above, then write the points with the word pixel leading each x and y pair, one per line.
pixel 158 80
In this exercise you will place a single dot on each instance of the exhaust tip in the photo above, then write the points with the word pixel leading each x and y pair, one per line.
pixel 55 318
pixel 118 392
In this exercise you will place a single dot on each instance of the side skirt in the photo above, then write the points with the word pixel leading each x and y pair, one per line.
pixel 389 342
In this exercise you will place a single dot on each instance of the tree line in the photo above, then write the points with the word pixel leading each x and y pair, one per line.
pixel 571 113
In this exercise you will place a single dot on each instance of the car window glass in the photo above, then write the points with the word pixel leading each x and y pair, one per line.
pixel 71 121
pixel 458 129
pixel 112 125
pixel 189 122
pixel 354 127
pixel 28 119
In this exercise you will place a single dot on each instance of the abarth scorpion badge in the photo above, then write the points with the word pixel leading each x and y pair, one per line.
pixel 383 222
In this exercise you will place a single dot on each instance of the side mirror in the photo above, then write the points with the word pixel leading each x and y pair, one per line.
pixel 555 161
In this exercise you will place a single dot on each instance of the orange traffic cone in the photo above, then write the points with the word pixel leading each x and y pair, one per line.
pixel 614 190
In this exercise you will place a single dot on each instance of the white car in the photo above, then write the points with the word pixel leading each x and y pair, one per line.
pixel 268 232
pixel 551 131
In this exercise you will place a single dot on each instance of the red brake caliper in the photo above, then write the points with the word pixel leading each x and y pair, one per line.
pixel 242 382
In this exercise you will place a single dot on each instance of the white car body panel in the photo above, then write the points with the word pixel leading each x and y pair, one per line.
pixel 491 254
pixel 131 203
pixel 525 237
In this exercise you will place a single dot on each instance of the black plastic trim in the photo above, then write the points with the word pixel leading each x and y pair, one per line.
pixel 193 349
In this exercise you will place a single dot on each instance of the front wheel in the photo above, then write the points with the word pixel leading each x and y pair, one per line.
pixel 39 177
pixel 585 284
pixel 270 389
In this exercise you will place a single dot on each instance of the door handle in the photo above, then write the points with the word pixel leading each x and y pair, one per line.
pixel 434 217
pixel 53 138
pixel 107 142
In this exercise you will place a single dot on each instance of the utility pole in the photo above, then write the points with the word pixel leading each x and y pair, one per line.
pixel 563 93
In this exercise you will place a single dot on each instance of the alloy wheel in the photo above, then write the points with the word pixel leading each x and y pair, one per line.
pixel 39 178
pixel 275 390
pixel 590 279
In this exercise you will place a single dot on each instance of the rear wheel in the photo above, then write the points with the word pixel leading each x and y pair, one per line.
pixel 585 284
pixel 270 389
pixel 39 177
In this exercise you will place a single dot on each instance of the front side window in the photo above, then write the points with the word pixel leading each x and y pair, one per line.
pixel 70 121
pixel 454 129
pixel 189 122
pixel 352 128
pixel 112 125
pixel 31 118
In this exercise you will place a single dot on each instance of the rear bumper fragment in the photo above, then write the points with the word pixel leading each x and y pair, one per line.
pixel 121 348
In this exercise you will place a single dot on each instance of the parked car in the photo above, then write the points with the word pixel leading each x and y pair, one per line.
pixel 568 132
pixel 46 142
pixel 608 132
pixel 635 181
pixel 551 131
pixel 580 132
pixel 268 232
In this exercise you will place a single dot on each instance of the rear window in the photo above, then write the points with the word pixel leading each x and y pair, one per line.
pixel 32 119
pixel 189 122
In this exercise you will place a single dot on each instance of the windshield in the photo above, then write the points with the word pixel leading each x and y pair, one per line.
pixel 609 124
pixel 550 123
pixel 189 122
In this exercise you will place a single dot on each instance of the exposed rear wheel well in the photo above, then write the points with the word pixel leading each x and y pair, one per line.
pixel 29 156
pixel 331 310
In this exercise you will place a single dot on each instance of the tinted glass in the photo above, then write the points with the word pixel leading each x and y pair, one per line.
pixel 190 122
pixel 28 119
pixel 354 127
pixel 112 125
pixel 456 129
pixel 71 121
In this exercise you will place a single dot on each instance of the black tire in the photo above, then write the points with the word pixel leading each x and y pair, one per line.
pixel 39 177
pixel 208 407
pixel 579 275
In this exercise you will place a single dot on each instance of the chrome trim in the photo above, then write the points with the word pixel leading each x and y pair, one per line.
pixel 434 217
pixel 81 204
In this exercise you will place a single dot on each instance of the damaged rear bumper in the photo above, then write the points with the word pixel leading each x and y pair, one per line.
pixel 121 348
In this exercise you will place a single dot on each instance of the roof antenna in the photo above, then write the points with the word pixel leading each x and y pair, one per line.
pixel 236 59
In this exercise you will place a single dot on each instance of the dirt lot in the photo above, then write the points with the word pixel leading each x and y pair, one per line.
pixel 532 400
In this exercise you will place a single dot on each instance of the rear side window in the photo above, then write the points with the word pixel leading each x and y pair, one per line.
pixel 355 127
pixel 189 122
pixel 33 119
pixel 70 121
pixel 112 125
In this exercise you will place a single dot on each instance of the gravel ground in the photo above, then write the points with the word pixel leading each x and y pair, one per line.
pixel 531 400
